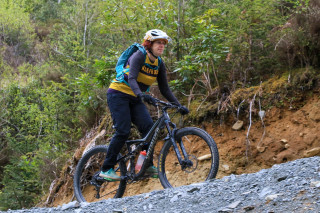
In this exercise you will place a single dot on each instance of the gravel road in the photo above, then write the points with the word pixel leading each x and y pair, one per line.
pixel 288 187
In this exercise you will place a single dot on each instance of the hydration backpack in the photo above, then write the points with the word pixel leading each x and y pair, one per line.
pixel 123 59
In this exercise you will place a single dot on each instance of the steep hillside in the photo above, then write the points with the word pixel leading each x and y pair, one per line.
pixel 286 133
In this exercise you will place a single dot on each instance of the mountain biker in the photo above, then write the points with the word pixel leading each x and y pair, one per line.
pixel 125 102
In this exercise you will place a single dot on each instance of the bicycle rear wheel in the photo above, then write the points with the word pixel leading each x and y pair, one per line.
pixel 203 158
pixel 86 177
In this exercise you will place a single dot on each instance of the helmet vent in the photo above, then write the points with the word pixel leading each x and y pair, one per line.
pixel 156 34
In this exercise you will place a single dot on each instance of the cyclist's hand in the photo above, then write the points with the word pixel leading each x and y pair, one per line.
pixel 183 110
pixel 147 98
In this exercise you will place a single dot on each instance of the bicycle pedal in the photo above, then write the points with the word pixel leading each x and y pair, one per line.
pixel 100 179
pixel 97 180
pixel 95 183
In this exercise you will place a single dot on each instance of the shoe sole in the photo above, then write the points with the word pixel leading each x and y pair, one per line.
pixel 109 178
pixel 153 175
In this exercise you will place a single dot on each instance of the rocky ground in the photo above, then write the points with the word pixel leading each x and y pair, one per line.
pixel 288 187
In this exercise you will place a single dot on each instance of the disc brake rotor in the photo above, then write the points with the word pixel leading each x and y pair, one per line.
pixel 194 165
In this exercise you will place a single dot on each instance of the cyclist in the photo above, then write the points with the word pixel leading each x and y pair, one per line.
pixel 125 102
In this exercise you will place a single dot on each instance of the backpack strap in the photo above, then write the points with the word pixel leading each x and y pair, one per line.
pixel 123 59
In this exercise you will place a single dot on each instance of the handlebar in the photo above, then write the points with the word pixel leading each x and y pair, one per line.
pixel 166 105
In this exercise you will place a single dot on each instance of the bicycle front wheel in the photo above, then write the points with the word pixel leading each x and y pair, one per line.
pixel 85 180
pixel 202 160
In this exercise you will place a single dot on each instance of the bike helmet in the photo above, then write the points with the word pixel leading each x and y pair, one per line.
pixel 156 34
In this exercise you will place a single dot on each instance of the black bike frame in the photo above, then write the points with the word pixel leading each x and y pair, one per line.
pixel 163 121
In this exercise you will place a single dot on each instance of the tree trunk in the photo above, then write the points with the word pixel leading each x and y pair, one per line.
pixel 179 29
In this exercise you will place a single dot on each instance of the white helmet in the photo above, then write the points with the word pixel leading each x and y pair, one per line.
pixel 156 34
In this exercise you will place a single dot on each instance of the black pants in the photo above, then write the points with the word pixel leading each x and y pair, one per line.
pixel 124 110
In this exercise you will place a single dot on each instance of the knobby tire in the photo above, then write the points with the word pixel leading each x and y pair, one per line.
pixel 90 164
pixel 198 144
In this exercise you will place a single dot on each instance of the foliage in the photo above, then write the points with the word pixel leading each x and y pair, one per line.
pixel 246 25
pixel 21 185
pixel 205 51
pixel 57 58
pixel 16 32
pixel 297 40
pixel 14 22
pixel 129 20
pixel 35 116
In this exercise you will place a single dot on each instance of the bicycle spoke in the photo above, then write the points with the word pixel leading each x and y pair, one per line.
pixel 201 164
pixel 87 182
pixel 111 192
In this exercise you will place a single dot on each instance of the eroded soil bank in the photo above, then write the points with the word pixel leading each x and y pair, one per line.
pixel 287 134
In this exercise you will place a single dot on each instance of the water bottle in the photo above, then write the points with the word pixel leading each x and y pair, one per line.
pixel 141 158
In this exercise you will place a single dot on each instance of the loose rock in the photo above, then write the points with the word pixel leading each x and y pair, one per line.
pixel 285 187
pixel 238 125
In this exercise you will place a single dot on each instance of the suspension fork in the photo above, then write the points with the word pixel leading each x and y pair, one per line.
pixel 171 137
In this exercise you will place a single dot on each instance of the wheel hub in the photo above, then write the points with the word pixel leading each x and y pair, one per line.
pixel 191 164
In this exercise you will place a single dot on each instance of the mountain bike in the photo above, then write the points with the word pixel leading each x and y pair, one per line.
pixel 188 155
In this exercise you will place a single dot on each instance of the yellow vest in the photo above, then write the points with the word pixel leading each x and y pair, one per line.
pixel 147 76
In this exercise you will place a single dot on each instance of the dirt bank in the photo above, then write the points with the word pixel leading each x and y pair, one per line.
pixel 287 134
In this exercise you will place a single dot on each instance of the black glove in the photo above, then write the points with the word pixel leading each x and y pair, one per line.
pixel 147 98
pixel 183 110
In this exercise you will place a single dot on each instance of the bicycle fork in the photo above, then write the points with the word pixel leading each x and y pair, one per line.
pixel 184 162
